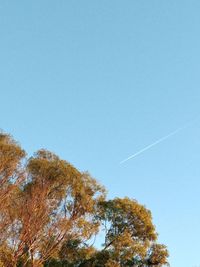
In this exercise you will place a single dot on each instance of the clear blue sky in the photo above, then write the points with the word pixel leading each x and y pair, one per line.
pixel 96 81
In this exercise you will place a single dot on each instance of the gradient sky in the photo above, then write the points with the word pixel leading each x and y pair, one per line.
pixel 96 81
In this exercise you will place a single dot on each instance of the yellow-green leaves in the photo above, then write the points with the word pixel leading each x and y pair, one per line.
pixel 50 214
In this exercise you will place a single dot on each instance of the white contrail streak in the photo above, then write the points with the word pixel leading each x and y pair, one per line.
pixel 155 143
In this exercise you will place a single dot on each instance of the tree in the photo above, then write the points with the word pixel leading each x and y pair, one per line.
pixel 50 212
pixel 56 203
pixel 11 177
pixel 130 236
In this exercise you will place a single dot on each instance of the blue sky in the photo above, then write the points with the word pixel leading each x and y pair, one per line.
pixel 96 81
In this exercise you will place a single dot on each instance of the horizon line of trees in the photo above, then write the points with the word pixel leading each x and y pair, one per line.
pixel 51 214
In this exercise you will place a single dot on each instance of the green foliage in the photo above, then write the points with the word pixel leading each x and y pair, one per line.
pixel 50 212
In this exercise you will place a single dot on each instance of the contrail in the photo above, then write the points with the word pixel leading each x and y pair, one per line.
pixel 157 142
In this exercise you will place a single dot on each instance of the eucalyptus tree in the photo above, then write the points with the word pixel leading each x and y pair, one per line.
pixel 50 212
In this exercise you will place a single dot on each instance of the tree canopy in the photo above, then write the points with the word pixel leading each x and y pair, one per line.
pixel 51 214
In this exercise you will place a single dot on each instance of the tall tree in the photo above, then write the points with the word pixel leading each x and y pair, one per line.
pixel 50 212
pixel 56 203
pixel 130 236
pixel 11 177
